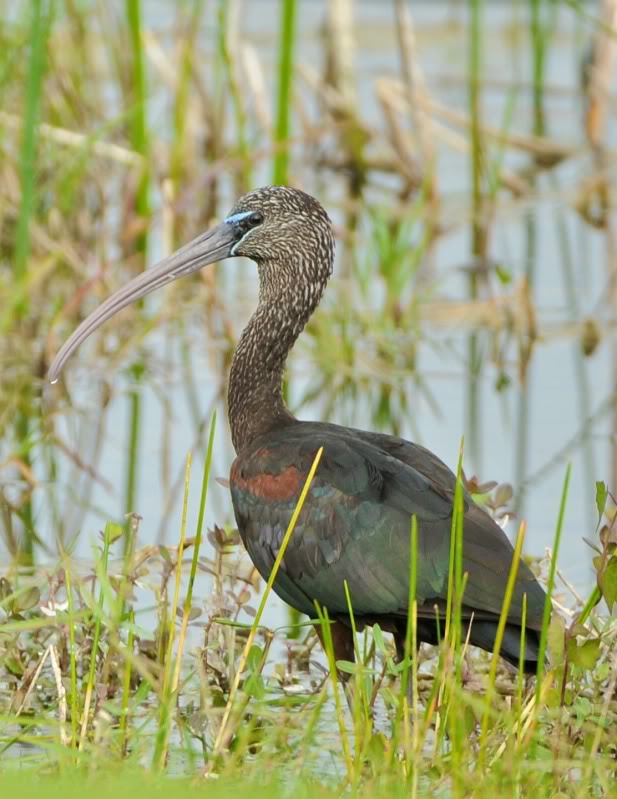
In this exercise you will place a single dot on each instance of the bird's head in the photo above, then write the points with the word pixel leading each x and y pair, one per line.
pixel 285 231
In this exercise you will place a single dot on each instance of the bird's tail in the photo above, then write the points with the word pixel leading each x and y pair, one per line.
pixel 483 634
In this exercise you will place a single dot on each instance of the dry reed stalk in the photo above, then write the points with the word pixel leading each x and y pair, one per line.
pixel 33 678
pixel 255 80
pixel 392 99
pixel 340 49
pixel 65 739
pixel 542 148
pixel 165 68
pixel 69 138
pixel 496 313
pixel 525 722
pixel 401 144
pixel 170 73
pixel 415 86
pixel 331 98
pixel 600 75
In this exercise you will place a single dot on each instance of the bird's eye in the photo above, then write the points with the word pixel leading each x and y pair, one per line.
pixel 256 218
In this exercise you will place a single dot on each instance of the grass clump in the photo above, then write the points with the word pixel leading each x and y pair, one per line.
pixel 196 686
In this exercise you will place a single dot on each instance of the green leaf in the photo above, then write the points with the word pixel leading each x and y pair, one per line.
pixel 378 638
pixel 194 613
pixel 5 589
pixel 578 630
pixel 582 708
pixel 601 497
pixel 555 639
pixel 389 698
pixel 27 600
pixel 586 655
pixel 232 623
pixel 347 666
pixel 253 659
pixel 552 697
pixel 609 583
pixel 367 684
pixel 254 686
pixel 112 532
pixel 469 720
pixel 354 668
pixel 13 664
pixel 377 748
pixel 503 275
pixel 401 665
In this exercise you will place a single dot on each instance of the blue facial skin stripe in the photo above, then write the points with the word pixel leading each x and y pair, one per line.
pixel 235 218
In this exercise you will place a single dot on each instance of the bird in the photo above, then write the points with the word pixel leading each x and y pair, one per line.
pixel 352 536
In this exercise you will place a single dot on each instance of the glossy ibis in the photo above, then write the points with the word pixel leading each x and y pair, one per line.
pixel 355 524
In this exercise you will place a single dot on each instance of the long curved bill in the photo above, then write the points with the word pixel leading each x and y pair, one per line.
pixel 212 246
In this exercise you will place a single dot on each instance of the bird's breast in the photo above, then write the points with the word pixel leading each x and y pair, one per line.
pixel 283 486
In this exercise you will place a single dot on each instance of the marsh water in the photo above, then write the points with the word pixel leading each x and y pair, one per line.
pixel 523 429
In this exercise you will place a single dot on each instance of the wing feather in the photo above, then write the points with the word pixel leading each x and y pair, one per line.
pixel 355 525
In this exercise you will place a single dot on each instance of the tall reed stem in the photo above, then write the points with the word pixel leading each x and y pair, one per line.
pixel 478 228
pixel 539 39
pixel 139 138
pixel 285 76
pixel 39 32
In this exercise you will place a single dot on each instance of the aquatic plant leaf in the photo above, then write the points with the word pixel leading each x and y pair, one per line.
pixel 586 655
pixel 254 686
pixel 469 721
pixel 112 532
pixel 194 613
pixel 583 709
pixel 5 589
pixel 608 537
pixel 13 664
pixel 503 275
pixel 377 748
pixel 609 583
pixel 398 668
pixel 347 666
pixel 380 644
pixel 254 658
pixel 601 497
pixel 592 545
pixel 503 495
pixel 556 639
pixel 27 600
pixel 578 630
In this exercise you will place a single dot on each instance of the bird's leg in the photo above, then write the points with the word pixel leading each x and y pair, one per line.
pixel 343 649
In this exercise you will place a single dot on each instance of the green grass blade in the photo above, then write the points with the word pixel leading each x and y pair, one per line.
pixel 548 606
pixel 501 628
